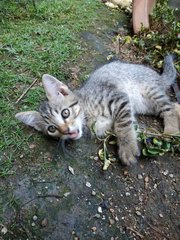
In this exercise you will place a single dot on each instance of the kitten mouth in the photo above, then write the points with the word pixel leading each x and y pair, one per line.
pixel 73 135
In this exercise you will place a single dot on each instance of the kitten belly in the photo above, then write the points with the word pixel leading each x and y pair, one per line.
pixel 140 105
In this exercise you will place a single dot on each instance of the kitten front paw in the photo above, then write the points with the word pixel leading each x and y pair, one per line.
pixel 128 153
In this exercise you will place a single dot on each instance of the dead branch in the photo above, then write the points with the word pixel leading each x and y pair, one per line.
pixel 136 232
pixel 25 92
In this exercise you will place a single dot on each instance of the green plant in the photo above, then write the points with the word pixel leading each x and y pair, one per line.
pixel 155 143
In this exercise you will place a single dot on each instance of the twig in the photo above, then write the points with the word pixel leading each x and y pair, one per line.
pixel 157 230
pixel 25 92
pixel 137 233
pixel 159 134
pixel 41 196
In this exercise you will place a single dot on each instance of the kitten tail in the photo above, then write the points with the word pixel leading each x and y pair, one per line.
pixel 169 72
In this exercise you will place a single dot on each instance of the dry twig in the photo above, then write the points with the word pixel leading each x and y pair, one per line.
pixel 25 92
pixel 137 233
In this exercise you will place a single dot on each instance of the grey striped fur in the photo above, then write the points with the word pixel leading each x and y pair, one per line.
pixel 110 99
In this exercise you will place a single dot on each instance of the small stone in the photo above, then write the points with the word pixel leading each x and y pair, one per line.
pixel 66 194
pixel 99 209
pixel 161 215
pixel 138 213
pixel 33 224
pixel 146 179
pixel 31 146
pixel 155 186
pixel 146 182
pixel 21 156
pixel 140 198
pixel 88 184
pixel 171 175
pixel 35 218
pixel 165 172
pixel 71 170
pixel 97 215
pixel 111 210
pixel 93 193
pixel 46 187
pixel 44 222
pixel 140 176
pixel 116 219
pixel 96 158
pixel 111 221
pixel 125 173
pixel 127 194
pixel 93 229
pixel 4 230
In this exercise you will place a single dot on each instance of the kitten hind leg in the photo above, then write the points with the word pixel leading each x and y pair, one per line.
pixel 169 111
pixel 177 109
pixel 172 120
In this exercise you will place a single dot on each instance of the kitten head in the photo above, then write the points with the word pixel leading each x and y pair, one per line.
pixel 61 116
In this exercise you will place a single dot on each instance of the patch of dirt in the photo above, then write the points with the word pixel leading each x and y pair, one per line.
pixel 58 195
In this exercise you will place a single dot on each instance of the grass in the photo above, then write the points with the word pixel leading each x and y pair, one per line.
pixel 45 38
pixel 39 39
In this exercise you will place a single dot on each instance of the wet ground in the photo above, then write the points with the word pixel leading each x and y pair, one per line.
pixel 57 195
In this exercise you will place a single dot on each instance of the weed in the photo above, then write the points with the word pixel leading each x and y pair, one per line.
pixel 151 45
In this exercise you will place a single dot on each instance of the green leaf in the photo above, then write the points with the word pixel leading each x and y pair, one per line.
pixel 157 142
pixel 155 151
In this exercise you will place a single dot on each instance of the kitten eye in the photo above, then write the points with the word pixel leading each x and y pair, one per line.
pixel 52 129
pixel 65 113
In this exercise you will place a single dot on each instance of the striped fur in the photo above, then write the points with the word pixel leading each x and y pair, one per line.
pixel 111 98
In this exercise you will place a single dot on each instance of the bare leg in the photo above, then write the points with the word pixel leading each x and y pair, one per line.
pixel 141 11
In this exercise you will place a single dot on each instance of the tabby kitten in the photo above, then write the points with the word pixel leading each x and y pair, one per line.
pixel 109 99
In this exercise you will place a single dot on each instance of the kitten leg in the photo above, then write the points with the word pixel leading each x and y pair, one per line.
pixel 177 109
pixel 169 111
pixel 171 121
pixel 125 132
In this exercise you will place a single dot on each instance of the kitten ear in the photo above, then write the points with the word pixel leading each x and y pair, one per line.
pixel 54 88
pixel 31 118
